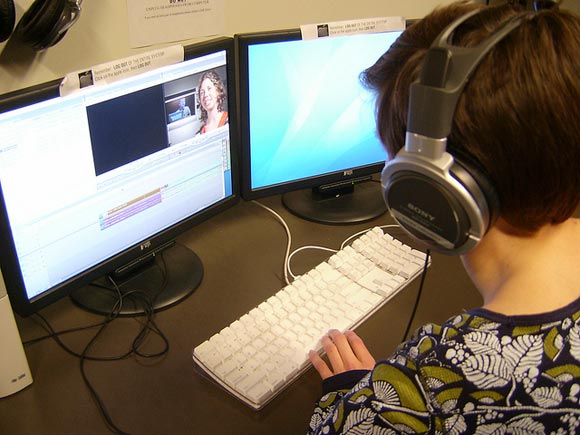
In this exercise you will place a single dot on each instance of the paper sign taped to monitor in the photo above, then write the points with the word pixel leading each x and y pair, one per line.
pixel 351 27
pixel 121 68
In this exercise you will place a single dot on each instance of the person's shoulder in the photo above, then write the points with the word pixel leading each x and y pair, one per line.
pixel 453 326
pixel 433 335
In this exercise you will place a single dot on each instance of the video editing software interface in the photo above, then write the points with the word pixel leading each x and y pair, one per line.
pixel 308 114
pixel 91 174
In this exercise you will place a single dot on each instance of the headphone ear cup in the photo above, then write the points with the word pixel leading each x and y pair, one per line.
pixel 472 177
pixel 40 25
pixel 7 19
pixel 447 210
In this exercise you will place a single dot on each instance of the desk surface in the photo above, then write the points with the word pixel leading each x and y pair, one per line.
pixel 242 251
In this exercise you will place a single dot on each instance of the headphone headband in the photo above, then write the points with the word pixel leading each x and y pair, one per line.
pixel 444 74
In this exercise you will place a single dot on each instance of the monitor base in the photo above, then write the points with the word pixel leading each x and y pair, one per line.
pixel 349 205
pixel 166 280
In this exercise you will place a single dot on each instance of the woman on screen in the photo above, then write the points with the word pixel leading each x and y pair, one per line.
pixel 213 100
pixel 513 365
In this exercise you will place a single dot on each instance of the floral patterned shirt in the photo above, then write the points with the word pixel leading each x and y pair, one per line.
pixel 479 373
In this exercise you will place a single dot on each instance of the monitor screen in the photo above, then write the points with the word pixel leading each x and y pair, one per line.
pixel 308 125
pixel 97 184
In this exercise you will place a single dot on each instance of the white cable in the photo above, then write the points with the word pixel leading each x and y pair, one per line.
pixel 287 229
pixel 302 248
pixel 288 256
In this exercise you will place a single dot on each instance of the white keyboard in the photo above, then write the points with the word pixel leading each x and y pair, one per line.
pixel 260 354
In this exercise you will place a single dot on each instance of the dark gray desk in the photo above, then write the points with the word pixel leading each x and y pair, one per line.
pixel 242 251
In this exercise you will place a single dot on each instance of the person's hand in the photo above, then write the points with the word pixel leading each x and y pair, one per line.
pixel 344 351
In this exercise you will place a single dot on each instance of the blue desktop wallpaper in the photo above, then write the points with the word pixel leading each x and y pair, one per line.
pixel 309 114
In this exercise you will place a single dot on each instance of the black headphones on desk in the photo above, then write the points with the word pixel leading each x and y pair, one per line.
pixel 442 199
pixel 43 25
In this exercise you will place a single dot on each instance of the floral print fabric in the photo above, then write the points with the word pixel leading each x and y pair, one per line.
pixel 479 373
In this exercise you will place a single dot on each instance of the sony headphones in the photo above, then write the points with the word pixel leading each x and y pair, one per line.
pixel 442 199
pixel 43 25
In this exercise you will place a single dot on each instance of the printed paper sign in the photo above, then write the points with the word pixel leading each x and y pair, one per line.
pixel 161 21
pixel 342 28
pixel 121 68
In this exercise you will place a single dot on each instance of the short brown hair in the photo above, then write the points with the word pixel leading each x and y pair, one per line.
pixel 519 115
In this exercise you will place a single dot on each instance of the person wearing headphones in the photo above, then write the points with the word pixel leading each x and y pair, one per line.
pixel 490 95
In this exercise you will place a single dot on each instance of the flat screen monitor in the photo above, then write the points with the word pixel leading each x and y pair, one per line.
pixel 97 185
pixel 307 124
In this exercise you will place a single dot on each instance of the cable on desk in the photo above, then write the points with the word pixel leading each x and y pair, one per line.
pixel 288 234
pixel 303 248
pixel 147 326
pixel 418 297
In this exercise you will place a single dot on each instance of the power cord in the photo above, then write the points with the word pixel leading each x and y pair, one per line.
pixel 147 327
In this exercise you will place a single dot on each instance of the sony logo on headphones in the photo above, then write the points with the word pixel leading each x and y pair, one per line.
pixel 420 212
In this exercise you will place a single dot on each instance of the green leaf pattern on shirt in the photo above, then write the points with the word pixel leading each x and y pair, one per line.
pixel 471 375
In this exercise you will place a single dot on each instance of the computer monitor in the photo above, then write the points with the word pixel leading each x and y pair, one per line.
pixel 307 124
pixel 100 183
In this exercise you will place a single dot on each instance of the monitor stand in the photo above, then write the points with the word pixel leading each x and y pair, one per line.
pixel 349 204
pixel 165 280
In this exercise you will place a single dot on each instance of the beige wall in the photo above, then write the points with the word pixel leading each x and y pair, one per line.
pixel 101 34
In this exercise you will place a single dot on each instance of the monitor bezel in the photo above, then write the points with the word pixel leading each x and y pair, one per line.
pixel 8 257
pixel 345 177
